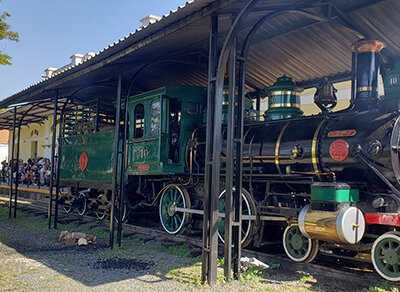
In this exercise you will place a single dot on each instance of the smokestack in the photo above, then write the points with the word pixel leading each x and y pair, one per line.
pixel 367 71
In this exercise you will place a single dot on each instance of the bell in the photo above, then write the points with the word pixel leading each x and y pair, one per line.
pixel 325 96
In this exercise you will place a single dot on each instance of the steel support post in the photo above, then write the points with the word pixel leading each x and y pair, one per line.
pixel 52 162
pixel 60 136
pixel 237 198
pixel 17 174
pixel 210 200
pixel 11 168
pixel 122 173
pixel 116 157
pixel 353 75
pixel 230 164
pixel 228 47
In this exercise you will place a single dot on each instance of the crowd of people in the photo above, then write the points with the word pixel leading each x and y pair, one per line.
pixel 34 172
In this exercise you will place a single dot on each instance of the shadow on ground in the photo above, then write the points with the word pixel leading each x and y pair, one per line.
pixel 30 257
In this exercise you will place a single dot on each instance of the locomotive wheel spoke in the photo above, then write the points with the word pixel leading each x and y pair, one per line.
pixel 174 221
pixel 248 208
pixel 385 256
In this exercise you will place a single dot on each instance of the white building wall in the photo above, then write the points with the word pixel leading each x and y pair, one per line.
pixel 3 152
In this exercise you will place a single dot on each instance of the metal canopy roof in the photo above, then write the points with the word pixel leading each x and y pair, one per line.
pixel 27 113
pixel 307 40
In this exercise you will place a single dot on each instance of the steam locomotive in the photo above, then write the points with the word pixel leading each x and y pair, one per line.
pixel 330 179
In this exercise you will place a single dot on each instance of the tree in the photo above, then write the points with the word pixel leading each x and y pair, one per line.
pixel 6 34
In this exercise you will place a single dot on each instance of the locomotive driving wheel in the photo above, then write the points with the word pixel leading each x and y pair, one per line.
pixel 298 247
pixel 82 204
pixel 385 256
pixel 67 208
pixel 248 208
pixel 102 203
pixel 172 220
pixel 125 216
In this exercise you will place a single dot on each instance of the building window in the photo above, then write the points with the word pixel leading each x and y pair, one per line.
pixel 139 121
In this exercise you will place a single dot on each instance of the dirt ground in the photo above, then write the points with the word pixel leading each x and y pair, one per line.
pixel 32 260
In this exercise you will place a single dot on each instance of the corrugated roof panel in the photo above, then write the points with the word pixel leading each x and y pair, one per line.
pixel 382 21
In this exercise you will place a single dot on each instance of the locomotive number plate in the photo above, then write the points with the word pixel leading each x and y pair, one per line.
pixel 342 133
pixel 339 150
pixel 83 161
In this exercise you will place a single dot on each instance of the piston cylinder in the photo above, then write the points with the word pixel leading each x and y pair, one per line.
pixel 344 226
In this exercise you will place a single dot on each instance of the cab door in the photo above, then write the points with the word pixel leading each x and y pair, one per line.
pixel 143 145
pixel 171 134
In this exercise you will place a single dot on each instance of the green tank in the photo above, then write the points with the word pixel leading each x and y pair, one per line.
pixel 88 157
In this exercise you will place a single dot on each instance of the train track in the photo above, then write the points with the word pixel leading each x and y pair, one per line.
pixel 338 267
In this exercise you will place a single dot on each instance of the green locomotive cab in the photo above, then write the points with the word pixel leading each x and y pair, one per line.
pixel 161 122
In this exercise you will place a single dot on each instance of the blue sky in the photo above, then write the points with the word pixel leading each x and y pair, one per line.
pixel 53 30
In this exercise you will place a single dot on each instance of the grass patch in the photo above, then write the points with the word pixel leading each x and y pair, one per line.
pixel 252 275
pixel 305 279
pixel 92 228
pixel 24 220
pixel 191 275
pixel 273 266
pixel 381 288
pixel 182 251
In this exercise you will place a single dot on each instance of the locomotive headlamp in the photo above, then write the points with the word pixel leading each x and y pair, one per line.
pixel 283 99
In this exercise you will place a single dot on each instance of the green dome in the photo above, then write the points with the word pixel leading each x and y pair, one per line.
pixel 284 83
pixel 283 100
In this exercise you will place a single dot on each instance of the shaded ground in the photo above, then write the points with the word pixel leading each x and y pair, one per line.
pixel 31 259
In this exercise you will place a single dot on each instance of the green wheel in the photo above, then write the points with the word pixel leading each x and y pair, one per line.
pixel 125 215
pixel 248 208
pixel 385 256
pixel 67 208
pixel 102 203
pixel 81 209
pixel 298 247
pixel 174 221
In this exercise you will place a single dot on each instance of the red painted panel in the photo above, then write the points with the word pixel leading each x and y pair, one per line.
pixel 382 219
pixel 143 167
pixel 339 150
pixel 83 161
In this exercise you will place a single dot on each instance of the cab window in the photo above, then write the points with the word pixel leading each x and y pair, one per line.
pixel 155 117
pixel 139 121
